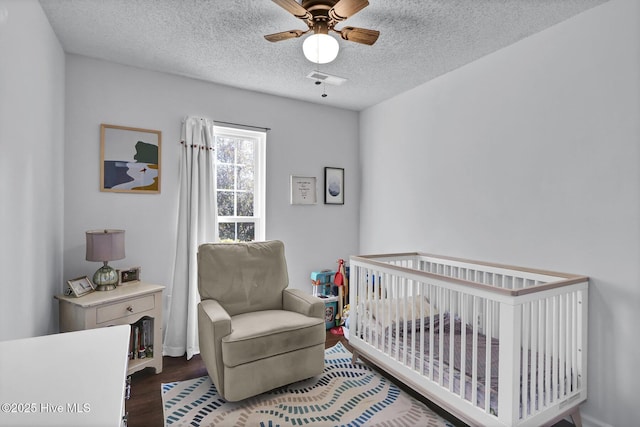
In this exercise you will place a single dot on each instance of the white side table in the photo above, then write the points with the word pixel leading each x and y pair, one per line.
pixel 125 305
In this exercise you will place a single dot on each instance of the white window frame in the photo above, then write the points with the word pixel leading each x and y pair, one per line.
pixel 259 169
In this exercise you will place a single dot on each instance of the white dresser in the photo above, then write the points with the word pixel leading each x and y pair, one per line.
pixel 69 379
pixel 126 305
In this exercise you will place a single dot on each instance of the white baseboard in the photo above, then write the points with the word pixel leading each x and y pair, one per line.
pixel 588 421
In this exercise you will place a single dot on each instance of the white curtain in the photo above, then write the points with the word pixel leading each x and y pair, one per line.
pixel 197 224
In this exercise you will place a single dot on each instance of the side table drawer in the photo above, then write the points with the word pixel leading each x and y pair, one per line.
pixel 124 308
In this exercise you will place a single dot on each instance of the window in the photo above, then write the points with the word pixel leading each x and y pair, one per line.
pixel 240 166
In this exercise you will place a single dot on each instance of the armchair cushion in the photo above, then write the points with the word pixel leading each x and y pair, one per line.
pixel 263 334
pixel 243 277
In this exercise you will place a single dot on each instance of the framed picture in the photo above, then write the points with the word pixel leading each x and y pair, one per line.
pixel 333 186
pixel 129 159
pixel 81 286
pixel 303 190
pixel 128 276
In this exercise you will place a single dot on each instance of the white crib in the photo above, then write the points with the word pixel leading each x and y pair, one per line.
pixel 494 345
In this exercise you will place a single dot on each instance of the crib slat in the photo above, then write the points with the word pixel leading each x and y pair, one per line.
pixel 392 314
pixel 374 308
pixel 396 320
pixel 440 357
pixel 422 325
pixel 524 359
pixel 380 304
pixel 555 353
pixel 541 349
pixel 562 335
pixel 463 346
pixel 570 343
pixel 416 318
pixel 366 313
pixel 532 357
pixel 434 303
pixel 487 360
pixel 452 339
pixel 574 342
pixel 548 351
pixel 404 316
pixel 474 366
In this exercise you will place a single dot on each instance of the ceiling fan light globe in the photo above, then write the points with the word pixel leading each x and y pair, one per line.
pixel 320 48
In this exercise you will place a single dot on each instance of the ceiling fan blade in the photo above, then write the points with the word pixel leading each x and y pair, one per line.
pixel 294 8
pixel 359 35
pixel 346 8
pixel 285 35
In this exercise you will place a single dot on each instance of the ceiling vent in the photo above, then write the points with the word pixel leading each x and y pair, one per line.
pixel 326 78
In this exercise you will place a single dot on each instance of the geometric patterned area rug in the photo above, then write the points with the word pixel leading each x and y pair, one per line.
pixel 344 395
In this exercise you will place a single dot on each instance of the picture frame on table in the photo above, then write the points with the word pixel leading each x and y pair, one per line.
pixel 130 275
pixel 130 159
pixel 81 286
pixel 333 186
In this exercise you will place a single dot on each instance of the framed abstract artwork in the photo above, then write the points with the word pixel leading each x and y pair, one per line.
pixel 333 186
pixel 129 159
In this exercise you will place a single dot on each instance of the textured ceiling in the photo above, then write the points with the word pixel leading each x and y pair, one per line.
pixel 222 41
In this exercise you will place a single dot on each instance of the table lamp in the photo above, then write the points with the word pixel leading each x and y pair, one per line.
pixel 105 246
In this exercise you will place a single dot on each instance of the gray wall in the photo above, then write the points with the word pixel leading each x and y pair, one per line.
pixel 529 156
pixel 31 170
pixel 304 138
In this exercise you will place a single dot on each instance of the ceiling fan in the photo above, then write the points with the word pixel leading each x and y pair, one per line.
pixel 321 16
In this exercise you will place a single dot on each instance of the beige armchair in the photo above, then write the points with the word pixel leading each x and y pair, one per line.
pixel 255 333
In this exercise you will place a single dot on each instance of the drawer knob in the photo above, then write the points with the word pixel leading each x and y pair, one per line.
pixel 130 309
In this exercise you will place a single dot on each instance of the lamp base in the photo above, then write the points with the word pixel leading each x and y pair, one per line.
pixel 106 278
pixel 105 287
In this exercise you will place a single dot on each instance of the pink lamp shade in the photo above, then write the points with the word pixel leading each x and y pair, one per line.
pixel 105 245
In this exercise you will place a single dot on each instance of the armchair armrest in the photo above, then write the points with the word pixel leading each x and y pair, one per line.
pixel 214 323
pixel 303 303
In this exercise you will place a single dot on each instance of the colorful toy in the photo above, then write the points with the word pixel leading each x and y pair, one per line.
pixel 321 281
pixel 341 281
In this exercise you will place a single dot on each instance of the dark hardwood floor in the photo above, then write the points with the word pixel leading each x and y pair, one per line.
pixel 145 405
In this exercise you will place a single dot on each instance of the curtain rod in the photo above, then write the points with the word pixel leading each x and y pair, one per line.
pixel 240 124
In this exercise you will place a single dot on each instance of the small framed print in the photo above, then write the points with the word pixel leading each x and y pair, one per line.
pixel 303 190
pixel 81 286
pixel 128 276
pixel 333 186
